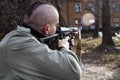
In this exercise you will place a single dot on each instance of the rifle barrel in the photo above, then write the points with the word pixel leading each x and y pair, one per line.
pixel 48 37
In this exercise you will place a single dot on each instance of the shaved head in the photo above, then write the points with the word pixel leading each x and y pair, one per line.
pixel 43 14
pixel 42 17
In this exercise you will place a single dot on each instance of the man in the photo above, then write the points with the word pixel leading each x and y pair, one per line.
pixel 24 57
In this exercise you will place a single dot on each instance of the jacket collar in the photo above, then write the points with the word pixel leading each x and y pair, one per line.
pixel 33 32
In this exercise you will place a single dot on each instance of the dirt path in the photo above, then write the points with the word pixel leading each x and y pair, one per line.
pixel 93 72
pixel 98 67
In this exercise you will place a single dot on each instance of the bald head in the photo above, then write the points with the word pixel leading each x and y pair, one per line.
pixel 42 15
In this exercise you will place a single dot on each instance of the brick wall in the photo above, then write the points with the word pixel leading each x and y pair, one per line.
pixel 70 16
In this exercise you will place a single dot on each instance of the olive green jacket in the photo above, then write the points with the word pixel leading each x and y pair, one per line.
pixel 23 57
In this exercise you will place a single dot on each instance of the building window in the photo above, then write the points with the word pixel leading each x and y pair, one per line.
pixel 115 7
pixel 91 6
pixel 77 7
pixel 78 21
pixel 116 19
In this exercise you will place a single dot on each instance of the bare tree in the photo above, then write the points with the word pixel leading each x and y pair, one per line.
pixel 97 18
pixel 107 37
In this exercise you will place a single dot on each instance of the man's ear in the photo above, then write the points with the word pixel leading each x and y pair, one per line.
pixel 45 29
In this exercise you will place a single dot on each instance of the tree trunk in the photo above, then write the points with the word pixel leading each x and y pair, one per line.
pixel 97 12
pixel 95 35
pixel 107 37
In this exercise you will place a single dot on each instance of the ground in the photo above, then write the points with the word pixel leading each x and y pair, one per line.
pixel 100 63
pixel 94 72
pixel 96 69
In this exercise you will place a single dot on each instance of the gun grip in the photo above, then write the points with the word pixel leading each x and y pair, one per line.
pixel 70 44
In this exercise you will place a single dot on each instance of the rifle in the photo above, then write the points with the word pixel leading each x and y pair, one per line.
pixel 61 33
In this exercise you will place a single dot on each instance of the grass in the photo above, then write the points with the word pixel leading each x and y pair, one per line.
pixel 100 54
pixel 89 43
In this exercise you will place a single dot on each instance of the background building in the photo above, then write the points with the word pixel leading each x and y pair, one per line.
pixel 73 10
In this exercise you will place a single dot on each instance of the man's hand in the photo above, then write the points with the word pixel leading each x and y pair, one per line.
pixel 64 43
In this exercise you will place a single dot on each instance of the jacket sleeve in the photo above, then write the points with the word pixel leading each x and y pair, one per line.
pixel 62 64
